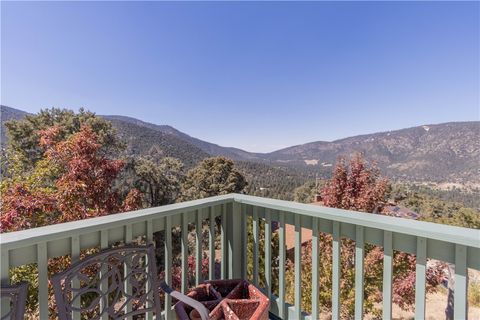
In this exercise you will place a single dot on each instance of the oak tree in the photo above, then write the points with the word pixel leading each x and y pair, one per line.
pixel 358 186
pixel 211 177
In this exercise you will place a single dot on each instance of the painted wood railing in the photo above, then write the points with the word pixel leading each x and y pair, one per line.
pixel 459 246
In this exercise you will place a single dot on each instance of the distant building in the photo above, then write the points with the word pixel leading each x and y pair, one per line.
pixel 399 211
pixel 390 209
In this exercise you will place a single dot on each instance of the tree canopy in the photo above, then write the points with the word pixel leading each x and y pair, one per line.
pixel 24 149
pixel 211 177
pixel 358 186
pixel 159 179
pixel 306 192
pixel 81 187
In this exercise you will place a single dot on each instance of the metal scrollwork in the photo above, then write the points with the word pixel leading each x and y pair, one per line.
pixel 119 282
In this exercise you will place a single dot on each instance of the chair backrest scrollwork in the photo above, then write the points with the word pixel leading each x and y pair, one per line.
pixel 119 282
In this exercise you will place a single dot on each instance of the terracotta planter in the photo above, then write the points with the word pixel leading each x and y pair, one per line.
pixel 226 299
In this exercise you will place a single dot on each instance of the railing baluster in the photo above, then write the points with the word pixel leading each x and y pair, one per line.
pixel 211 244
pixel 336 263
pixel 128 234
pixel 127 269
pixel 5 279
pixel 281 262
pixel 387 274
pixel 359 255
pixel 224 261
pixel 298 267
pixel 420 272
pixel 103 271
pixel 198 247
pixel 184 252
pixel 42 261
pixel 168 265
pixel 255 245
pixel 148 285
pixel 268 252
pixel 235 256
pixel 149 235
pixel 244 236
pixel 460 296
pixel 75 247
pixel 315 268
pixel 55 241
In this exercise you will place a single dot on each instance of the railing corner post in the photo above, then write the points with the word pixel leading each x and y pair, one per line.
pixel 234 239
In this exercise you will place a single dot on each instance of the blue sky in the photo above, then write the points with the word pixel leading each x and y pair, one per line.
pixel 259 76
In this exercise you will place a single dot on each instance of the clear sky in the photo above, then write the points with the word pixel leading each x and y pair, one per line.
pixel 259 76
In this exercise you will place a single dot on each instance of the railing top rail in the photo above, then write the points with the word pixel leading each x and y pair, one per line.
pixel 458 235
pixel 23 238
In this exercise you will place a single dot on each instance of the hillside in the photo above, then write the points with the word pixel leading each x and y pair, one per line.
pixel 443 153
pixel 140 139
pixel 210 148
pixel 6 114
pixel 143 140
pixel 448 152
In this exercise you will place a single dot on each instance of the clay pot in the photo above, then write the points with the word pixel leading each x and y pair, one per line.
pixel 227 299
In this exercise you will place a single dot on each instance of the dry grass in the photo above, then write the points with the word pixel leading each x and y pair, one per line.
pixel 474 294
pixel 435 309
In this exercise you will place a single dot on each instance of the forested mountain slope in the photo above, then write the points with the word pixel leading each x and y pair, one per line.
pixel 448 152
pixel 442 153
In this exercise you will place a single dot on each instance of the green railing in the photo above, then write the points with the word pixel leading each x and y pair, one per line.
pixel 459 246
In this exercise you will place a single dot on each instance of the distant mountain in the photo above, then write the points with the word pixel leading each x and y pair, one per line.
pixel 143 140
pixel 6 114
pixel 448 152
pixel 140 139
pixel 210 148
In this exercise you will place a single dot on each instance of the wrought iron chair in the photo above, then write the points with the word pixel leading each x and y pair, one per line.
pixel 16 296
pixel 119 282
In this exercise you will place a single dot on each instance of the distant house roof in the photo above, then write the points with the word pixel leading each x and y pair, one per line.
pixel 389 210
pixel 290 232
pixel 399 211
pixel 290 236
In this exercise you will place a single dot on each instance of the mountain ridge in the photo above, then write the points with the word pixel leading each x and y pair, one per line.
pixel 446 152
pixel 211 148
